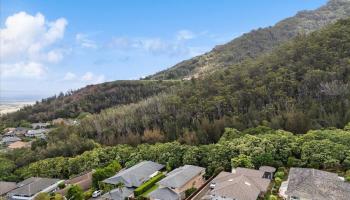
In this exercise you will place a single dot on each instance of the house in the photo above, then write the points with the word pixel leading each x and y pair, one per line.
pixel 5 187
pixel 268 171
pixel 9 140
pixel 242 184
pixel 29 188
pixel 40 125
pixel 84 181
pixel 132 178
pixel 18 145
pixel 174 185
pixel 39 133
pixel 118 194
pixel 19 131
pixel 312 184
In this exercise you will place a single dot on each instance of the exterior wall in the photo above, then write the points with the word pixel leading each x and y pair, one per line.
pixel 195 182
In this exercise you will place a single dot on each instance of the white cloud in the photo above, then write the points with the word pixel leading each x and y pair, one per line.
pixel 185 35
pixel 27 44
pixel 69 76
pixel 22 69
pixel 90 77
pixel 174 47
pixel 83 41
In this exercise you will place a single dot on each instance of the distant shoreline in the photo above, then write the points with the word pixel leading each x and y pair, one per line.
pixel 13 106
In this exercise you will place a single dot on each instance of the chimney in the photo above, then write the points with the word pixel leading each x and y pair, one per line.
pixel 233 170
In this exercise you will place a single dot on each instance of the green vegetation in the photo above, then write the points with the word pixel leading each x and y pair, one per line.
pixel 299 86
pixel 102 173
pixel 148 184
pixel 190 191
pixel 278 145
pixel 75 193
pixel 90 99
pixel 256 42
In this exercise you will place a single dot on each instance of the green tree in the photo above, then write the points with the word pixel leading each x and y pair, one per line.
pixel 75 193
pixel 242 161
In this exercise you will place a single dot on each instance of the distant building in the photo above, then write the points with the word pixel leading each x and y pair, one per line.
pixel 242 184
pixel 6 187
pixel 9 140
pixel 174 185
pixel 306 183
pixel 20 131
pixel 29 188
pixel 84 181
pixel 39 133
pixel 40 125
pixel 131 178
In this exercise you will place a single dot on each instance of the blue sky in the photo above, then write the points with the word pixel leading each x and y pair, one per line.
pixel 53 46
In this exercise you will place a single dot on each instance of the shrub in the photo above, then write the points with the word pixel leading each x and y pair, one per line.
pixel 61 185
pixel 88 194
pixel 148 184
pixel 279 174
pixel 272 197
pixel 190 191
pixel 278 181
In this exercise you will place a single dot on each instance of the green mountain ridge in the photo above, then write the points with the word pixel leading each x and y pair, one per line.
pixel 301 85
pixel 257 42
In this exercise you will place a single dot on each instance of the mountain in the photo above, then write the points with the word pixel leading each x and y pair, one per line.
pixel 301 85
pixel 257 42
pixel 90 99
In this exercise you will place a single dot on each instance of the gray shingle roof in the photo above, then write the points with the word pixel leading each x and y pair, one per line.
pixel 33 185
pixel 317 184
pixel 180 176
pixel 244 184
pixel 267 169
pixel 5 187
pixel 135 175
pixel 10 139
pixel 164 194
pixel 118 194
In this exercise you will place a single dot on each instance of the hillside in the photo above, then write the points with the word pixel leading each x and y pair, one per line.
pixel 301 85
pixel 91 99
pixel 257 42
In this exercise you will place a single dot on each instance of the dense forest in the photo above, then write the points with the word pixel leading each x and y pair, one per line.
pixel 326 149
pixel 257 42
pixel 90 99
pixel 301 85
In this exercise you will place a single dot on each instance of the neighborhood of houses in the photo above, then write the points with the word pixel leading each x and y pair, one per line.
pixel 149 180
pixel 21 137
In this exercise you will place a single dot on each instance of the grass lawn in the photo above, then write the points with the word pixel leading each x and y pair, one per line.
pixel 145 194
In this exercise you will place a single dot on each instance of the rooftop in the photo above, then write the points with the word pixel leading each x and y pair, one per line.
pixel 180 176
pixel 317 184
pixel 118 194
pixel 242 184
pixel 33 185
pixel 135 175
pixel 164 194
pixel 5 187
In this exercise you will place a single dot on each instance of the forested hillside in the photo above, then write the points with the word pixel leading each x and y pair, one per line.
pixel 322 149
pixel 257 42
pixel 301 85
pixel 91 99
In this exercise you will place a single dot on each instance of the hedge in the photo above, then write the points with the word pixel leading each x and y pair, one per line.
pixel 148 184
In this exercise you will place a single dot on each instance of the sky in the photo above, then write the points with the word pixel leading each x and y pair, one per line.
pixel 51 46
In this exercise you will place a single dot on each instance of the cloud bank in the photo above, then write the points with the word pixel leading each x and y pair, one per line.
pixel 27 44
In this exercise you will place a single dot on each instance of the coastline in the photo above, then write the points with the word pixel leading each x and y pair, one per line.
pixel 9 107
